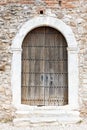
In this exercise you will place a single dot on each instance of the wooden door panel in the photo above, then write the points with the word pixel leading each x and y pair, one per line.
pixel 44 68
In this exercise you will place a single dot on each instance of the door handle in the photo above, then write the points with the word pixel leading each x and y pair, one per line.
pixel 44 77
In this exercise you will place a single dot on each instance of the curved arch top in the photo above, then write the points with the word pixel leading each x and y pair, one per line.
pixel 44 21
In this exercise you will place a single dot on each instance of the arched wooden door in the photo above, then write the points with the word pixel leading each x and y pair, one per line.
pixel 44 68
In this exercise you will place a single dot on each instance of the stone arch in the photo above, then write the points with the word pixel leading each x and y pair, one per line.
pixel 72 57
pixel 44 21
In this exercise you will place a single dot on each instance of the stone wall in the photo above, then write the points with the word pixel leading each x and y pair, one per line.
pixel 13 14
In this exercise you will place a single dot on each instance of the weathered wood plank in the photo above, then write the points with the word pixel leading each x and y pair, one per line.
pixel 44 68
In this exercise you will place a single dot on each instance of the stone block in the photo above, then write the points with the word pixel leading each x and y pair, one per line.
pixel 2 68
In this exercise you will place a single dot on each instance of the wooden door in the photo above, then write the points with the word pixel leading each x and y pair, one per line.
pixel 44 68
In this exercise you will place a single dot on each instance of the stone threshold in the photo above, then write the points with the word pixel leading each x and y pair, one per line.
pixel 40 115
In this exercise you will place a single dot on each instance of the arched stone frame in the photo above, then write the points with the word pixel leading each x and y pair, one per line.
pixel 72 57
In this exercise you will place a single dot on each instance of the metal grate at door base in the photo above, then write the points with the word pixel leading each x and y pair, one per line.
pixel 44 68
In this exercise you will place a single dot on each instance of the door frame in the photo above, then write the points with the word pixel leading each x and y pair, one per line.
pixel 16 48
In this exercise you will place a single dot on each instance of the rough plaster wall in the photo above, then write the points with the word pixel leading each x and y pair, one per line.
pixel 14 13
